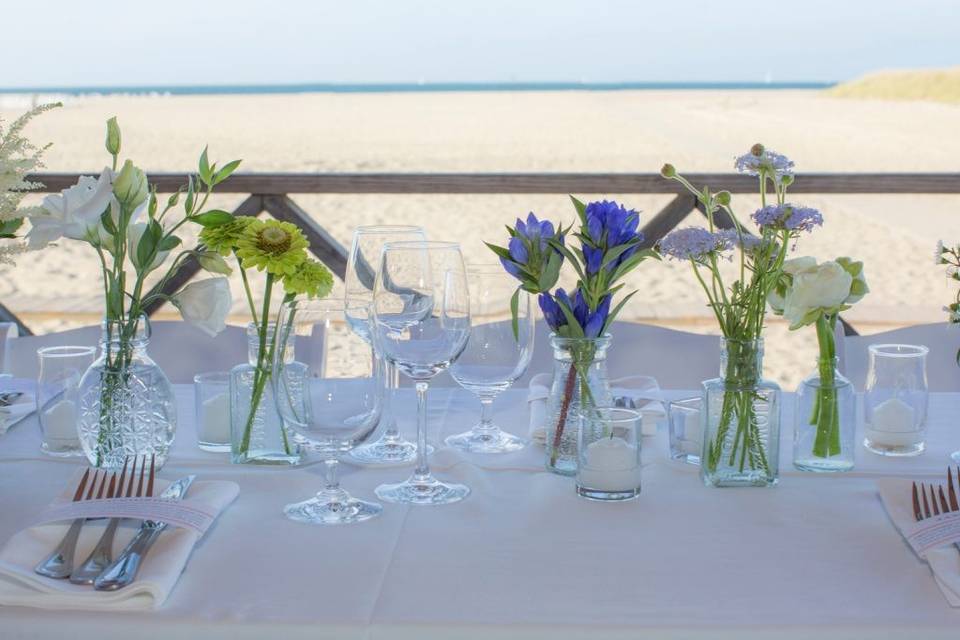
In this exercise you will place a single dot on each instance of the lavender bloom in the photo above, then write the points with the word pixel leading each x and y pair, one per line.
pixel 787 216
pixel 693 243
pixel 609 225
pixel 591 322
pixel 731 238
pixel 551 310
pixel 767 161
pixel 529 249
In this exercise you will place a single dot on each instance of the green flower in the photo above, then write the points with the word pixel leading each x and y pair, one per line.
pixel 311 278
pixel 271 245
pixel 224 238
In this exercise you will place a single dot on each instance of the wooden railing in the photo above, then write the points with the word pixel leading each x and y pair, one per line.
pixel 270 193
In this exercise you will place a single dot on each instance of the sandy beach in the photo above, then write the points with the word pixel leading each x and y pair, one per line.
pixel 550 131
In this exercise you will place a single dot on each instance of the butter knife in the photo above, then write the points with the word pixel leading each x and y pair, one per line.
pixel 124 569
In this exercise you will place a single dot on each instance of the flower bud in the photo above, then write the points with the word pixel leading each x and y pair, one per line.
pixel 722 198
pixel 113 137
pixel 212 262
pixel 130 185
pixel 786 180
pixel 668 171
pixel 757 150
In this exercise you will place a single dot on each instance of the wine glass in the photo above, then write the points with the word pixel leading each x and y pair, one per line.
pixel 495 355
pixel 421 323
pixel 362 267
pixel 331 394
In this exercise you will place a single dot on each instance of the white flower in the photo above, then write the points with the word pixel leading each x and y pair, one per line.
pixel 205 304
pixel 938 256
pixel 825 287
pixel 134 233
pixel 777 297
pixel 74 212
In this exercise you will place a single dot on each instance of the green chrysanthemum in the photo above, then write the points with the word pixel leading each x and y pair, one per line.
pixel 271 245
pixel 311 278
pixel 224 238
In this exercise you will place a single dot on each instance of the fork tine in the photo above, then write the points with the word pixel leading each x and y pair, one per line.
pixel 926 505
pixel 153 460
pixel 143 468
pixel 103 485
pixel 933 500
pixel 123 475
pixel 133 473
pixel 954 506
pixel 83 485
pixel 113 484
pixel 93 484
pixel 944 507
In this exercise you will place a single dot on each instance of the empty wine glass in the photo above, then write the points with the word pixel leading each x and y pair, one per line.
pixel 331 394
pixel 421 323
pixel 362 267
pixel 495 356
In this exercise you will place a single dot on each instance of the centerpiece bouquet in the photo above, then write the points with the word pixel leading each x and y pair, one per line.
pixel 950 256
pixel 609 247
pixel 814 294
pixel 279 250
pixel 126 404
pixel 741 423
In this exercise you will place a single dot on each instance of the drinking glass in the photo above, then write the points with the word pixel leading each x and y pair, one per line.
pixel 58 397
pixel 608 447
pixel 685 441
pixel 212 397
pixel 495 356
pixel 421 324
pixel 895 400
pixel 362 267
pixel 335 405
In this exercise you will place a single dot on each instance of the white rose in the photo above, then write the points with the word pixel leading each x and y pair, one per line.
pixel 134 233
pixel 777 297
pixel 74 212
pixel 825 287
pixel 205 304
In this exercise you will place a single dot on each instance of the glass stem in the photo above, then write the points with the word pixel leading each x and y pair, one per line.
pixel 392 432
pixel 486 412
pixel 331 490
pixel 423 470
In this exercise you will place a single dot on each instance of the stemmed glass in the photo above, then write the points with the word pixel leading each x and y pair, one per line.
pixel 495 356
pixel 421 323
pixel 332 398
pixel 362 267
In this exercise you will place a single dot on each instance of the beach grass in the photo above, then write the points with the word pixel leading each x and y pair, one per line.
pixel 938 85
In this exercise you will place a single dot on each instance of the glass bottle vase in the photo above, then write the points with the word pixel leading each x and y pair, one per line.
pixel 257 431
pixel 741 420
pixel 824 429
pixel 579 378
pixel 127 406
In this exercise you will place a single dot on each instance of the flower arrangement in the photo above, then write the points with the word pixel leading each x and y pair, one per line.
pixel 950 256
pixel 814 294
pixel 609 248
pixel 18 157
pixel 740 306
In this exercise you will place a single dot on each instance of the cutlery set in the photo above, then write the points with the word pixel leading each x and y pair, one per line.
pixel 939 502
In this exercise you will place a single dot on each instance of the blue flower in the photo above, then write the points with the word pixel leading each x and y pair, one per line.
pixel 693 243
pixel 609 225
pixel 529 250
pixel 551 310
pixel 593 258
pixel 787 216
pixel 591 322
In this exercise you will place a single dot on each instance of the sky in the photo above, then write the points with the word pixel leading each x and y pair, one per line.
pixel 190 42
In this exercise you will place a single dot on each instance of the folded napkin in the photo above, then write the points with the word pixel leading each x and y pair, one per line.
pixel 22 406
pixel 158 575
pixel 643 389
pixel 895 493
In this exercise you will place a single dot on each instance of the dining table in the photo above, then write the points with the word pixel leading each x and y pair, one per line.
pixel 523 556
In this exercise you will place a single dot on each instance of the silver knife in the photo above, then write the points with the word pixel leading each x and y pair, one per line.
pixel 124 569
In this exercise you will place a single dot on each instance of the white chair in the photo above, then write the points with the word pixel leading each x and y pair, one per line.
pixel 942 338
pixel 677 359
pixel 180 349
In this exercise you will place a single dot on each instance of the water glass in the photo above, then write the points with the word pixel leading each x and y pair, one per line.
pixel 608 448
pixel 8 330
pixel 58 398
pixel 212 397
pixel 895 400
pixel 685 440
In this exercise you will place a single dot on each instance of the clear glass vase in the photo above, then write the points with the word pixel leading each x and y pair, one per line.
pixel 824 429
pixel 579 378
pixel 127 406
pixel 258 434
pixel 741 426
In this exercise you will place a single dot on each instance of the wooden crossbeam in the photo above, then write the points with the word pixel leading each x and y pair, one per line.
pixel 667 219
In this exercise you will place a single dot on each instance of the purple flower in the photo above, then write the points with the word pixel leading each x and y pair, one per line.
pixel 766 161
pixel 591 322
pixel 593 258
pixel 693 243
pixel 787 216
pixel 551 311
pixel 609 225
pixel 528 251
pixel 731 238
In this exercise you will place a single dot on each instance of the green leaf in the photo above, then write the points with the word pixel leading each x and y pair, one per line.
pixel 9 227
pixel 205 173
pixel 616 252
pixel 581 210
pixel 616 310
pixel 573 327
pixel 514 310
pixel 107 221
pixel 226 171
pixel 146 248
pixel 213 218
pixel 500 251
pixel 188 203
pixel 169 243
pixel 571 258
pixel 551 272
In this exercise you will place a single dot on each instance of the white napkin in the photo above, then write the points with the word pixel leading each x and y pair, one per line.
pixel 22 406
pixel 643 389
pixel 895 493
pixel 158 575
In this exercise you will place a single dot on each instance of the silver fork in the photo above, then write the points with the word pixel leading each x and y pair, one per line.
pixel 59 564
pixel 938 502
pixel 102 554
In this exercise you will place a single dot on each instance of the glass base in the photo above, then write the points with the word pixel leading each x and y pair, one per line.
pixel 386 451
pixel 266 458
pixel 486 440
pixel 823 465
pixel 738 479
pixel 683 456
pixel 422 490
pixel 342 509
pixel 214 447
pixel 562 466
pixel 62 452
pixel 607 496
pixel 898 450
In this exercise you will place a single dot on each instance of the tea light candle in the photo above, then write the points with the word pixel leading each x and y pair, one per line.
pixel 215 425
pixel 60 423
pixel 612 465
pixel 893 424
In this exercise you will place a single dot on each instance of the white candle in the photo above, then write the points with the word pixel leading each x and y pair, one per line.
pixel 611 464
pixel 215 426
pixel 60 424
pixel 893 424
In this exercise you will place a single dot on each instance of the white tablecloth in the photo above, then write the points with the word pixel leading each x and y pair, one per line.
pixel 523 557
